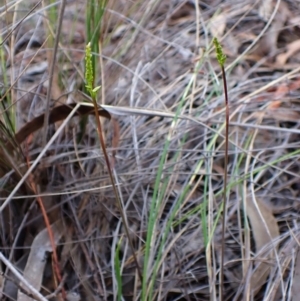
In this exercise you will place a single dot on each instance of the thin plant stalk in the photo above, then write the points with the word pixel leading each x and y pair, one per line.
pixel 221 60
pixel 93 92
pixel 52 67
pixel 118 270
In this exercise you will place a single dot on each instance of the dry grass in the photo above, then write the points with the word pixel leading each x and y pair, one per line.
pixel 156 55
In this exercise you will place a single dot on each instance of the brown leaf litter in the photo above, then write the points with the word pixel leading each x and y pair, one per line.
pixel 150 55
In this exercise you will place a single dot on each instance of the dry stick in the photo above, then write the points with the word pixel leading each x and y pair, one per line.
pixel 50 232
pixel 48 226
pixel 32 290
pixel 19 286
pixel 51 72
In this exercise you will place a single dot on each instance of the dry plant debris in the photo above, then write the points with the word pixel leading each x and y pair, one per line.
pixel 36 262
pixel 156 56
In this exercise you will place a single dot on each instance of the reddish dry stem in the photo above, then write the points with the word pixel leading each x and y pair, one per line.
pixel 48 226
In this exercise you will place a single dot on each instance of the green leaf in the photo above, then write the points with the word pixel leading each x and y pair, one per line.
pixel 96 89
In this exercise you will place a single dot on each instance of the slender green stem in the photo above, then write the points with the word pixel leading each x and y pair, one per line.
pixel 118 272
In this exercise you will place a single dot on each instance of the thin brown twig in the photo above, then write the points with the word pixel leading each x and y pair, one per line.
pixel 49 229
